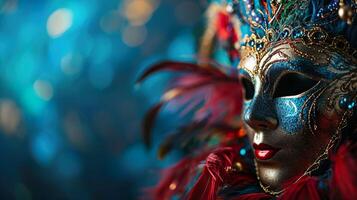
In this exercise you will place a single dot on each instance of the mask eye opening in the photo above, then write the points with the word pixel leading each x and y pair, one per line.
pixel 292 84
pixel 248 88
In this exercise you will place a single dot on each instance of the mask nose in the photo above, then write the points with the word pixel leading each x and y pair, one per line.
pixel 260 115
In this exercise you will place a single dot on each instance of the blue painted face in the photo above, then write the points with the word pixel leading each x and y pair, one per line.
pixel 292 108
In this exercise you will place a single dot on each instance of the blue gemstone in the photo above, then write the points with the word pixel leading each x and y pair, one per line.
pixel 343 103
pixel 284 34
pixel 297 34
pixel 243 152
pixel 352 105
pixel 252 43
pixel 260 46
pixel 320 13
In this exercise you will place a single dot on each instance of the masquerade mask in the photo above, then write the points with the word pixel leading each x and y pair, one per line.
pixel 300 85
pixel 292 109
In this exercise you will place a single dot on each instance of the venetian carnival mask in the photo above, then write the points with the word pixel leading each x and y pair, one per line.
pixel 296 102
pixel 297 64
pixel 300 87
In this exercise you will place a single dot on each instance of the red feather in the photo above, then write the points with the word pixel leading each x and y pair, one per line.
pixel 254 196
pixel 344 180
pixel 213 94
pixel 222 97
pixel 212 176
pixel 181 67
pixel 227 34
pixel 225 29
pixel 174 180
pixel 216 172
pixel 306 188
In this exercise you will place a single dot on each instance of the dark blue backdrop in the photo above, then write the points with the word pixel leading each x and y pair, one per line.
pixel 69 113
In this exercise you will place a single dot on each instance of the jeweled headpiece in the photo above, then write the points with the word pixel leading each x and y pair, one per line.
pixel 329 24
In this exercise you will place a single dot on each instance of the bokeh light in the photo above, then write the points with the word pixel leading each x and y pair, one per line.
pixel 70 116
pixel 134 36
pixel 59 22
pixel 10 116
pixel 138 12
pixel 43 89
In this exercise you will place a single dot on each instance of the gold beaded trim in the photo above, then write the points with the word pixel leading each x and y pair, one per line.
pixel 314 36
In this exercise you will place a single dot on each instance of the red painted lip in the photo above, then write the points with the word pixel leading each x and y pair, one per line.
pixel 264 151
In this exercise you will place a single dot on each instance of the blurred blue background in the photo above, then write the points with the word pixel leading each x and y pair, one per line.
pixel 69 112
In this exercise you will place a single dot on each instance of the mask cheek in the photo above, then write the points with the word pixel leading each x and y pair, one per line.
pixel 290 114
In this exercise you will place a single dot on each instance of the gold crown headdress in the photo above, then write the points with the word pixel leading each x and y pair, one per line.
pixel 324 23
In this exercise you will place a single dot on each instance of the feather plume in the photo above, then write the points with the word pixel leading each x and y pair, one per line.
pixel 306 188
pixel 344 180
pixel 174 180
pixel 215 94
